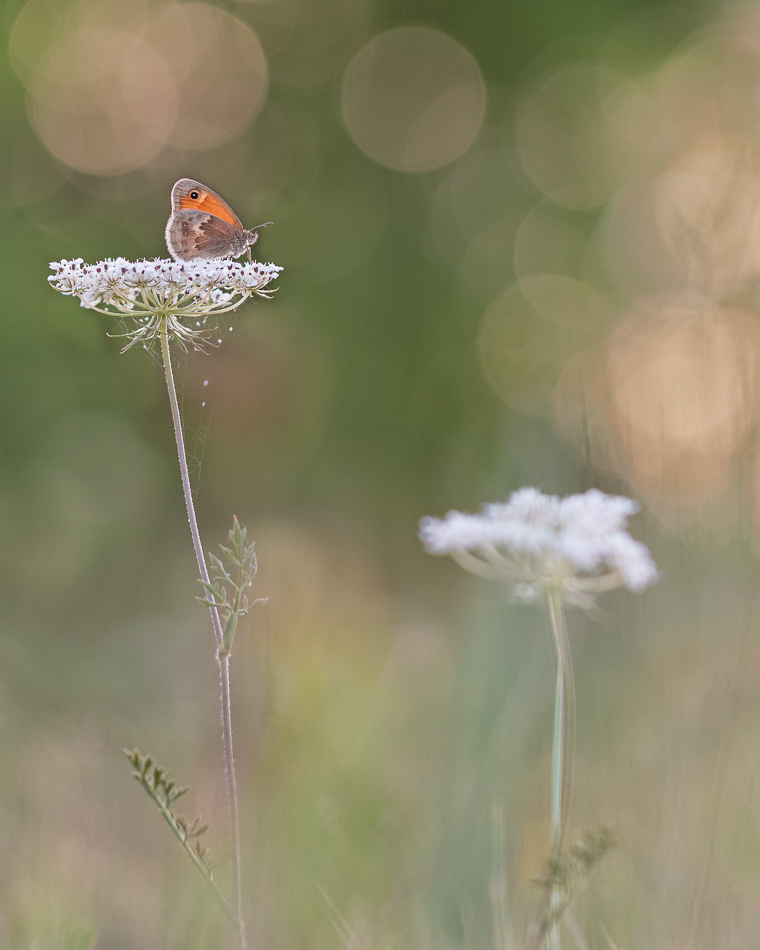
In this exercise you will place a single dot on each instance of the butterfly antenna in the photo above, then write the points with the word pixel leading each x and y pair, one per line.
pixel 254 232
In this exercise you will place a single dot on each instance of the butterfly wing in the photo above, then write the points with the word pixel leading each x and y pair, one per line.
pixel 195 235
pixel 189 195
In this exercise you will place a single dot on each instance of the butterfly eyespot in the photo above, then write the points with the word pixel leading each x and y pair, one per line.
pixel 194 195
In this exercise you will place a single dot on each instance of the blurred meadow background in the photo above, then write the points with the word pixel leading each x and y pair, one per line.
pixel 521 246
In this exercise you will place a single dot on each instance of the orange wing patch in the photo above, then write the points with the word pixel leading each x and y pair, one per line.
pixel 211 204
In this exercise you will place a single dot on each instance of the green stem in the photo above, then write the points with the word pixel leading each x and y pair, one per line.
pixel 562 747
pixel 224 659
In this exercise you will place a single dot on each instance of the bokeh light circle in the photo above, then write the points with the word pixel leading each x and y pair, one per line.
pixel 548 241
pixel 682 383
pixel 569 303
pixel 413 99
pixel 310 43
pixel 108 92
pixel 220 69
pixel 708 210
pixel 102 101
pixel 573 134
pixel 522 352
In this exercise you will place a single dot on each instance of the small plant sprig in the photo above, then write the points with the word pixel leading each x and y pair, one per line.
pixel 565 875
pixel 164 792
pixel 222 586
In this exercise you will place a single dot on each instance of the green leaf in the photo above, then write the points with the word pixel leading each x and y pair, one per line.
pixel 229 633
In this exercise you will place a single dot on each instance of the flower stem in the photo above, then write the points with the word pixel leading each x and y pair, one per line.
pixel 223 658
pixel 562 747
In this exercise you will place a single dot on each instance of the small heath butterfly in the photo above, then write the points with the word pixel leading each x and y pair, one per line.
pixel 203 227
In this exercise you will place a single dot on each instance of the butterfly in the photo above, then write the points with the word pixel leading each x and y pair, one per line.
pixel 202 226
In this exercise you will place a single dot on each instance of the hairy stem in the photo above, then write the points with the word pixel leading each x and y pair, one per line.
pixel 562 747
pixel 224 669
pixel 224 659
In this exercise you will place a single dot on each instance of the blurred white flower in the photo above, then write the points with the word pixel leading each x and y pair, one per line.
pixel 579 545
pixel 149 292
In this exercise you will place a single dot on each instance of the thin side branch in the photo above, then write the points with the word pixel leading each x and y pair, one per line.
pixel 163 792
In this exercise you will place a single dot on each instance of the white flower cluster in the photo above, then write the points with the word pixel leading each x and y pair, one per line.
pixel 163 293
pixel 122 281
pixel 533 541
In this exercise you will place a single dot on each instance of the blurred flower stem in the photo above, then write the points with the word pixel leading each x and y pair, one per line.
pixel 566 551
pixel 223 656
pixel 562 749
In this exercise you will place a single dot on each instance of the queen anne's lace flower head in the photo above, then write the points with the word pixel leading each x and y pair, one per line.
pixel 186 295
pixel 579 544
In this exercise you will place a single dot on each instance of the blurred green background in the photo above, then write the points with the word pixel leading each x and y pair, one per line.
pixel 521 246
